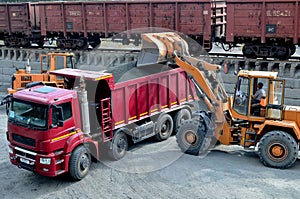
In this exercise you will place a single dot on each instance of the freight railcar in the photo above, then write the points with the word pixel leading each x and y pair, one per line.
pixel 267 28
pixel 19 25
pixel 75 25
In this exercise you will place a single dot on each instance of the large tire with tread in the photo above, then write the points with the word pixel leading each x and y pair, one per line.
pixel 190 137
pixel 278 149
pixel 80 163
pixel 119 146
pixel 164 127
pixel 179 117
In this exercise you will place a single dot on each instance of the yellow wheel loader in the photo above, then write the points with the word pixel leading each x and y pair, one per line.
pixel 268 124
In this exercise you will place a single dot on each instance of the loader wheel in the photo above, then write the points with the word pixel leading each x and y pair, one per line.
pixel 80 163
pixel 190 137
pixel 278 149
pixel 119 146
pixel 179 117
pixel 164 127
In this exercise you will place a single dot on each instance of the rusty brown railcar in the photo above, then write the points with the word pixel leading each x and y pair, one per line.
pixel 268 28
pixel 78 24
pixel 19 24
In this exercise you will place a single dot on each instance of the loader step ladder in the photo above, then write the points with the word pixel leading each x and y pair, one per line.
pixel 107 132
pixel 251 141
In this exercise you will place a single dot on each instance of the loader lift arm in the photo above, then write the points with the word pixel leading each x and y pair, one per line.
pixel 173 48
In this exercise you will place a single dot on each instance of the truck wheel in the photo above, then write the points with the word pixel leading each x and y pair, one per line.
pixel 190 137
pixel 164 127
pixel 80 163
pixel 179 117
pixel 278 149
pixel 119 146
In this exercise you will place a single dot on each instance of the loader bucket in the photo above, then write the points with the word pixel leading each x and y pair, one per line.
pixel 159 47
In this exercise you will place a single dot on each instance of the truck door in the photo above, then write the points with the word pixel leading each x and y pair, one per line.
pixel 63 124
pixel 275 100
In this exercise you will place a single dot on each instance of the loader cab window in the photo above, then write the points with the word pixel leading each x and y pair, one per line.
pixel 259 96
pixel 59 62
pixel 45 63
pixel 275 99
pixel 241 96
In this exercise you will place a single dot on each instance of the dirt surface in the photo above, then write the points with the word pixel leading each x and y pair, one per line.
pixel 159 170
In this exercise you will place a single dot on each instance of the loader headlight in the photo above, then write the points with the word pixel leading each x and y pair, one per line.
pixel 46 161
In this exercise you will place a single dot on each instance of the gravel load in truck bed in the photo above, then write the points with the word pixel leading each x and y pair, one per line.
pixel 130 71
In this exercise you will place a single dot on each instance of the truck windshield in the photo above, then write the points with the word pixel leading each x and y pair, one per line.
pixel 27 114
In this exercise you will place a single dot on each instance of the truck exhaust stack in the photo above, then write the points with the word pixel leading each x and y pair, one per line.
pixel 84 107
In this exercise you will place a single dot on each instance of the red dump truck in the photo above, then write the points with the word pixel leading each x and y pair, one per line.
pixel 52 131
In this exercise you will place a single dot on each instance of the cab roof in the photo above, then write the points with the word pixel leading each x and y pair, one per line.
pixel 258 74
pixel 44 94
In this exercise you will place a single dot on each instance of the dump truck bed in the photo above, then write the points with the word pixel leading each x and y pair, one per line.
pixel 140 96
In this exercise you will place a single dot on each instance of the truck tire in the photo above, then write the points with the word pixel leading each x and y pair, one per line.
pixel 278 149
pixel 80 163
pixel 119 146
pixel 164 127
pixel 190 137
pixel 179 117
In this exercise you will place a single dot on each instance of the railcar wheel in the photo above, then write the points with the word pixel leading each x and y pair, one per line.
pixel 80 163
pixel 82 44
pixel 249 52
pixel 119 146
pixel 283 53
pixel 95 42
pixel 125 41
pixel 164 127
pixel 190 137
pixel 7 43
pixel 292 49
pixel 41 43
pixel 179 117
pixel 278 149
pixel 61 43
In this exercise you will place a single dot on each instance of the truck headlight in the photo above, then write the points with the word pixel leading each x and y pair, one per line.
pixel 46 161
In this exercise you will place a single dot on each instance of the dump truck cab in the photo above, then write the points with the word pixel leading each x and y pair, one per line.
pixel 49 114
pixel 48 62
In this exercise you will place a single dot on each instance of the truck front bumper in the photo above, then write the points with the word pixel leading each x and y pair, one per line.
pixel 51 165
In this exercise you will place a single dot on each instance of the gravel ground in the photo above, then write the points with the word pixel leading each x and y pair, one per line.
pixel 157 170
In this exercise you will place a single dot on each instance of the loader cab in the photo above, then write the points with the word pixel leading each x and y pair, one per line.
pixel 270 104
pixel 56 61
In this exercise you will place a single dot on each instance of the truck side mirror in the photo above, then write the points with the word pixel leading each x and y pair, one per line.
pixel 6 101
pixel 57 116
